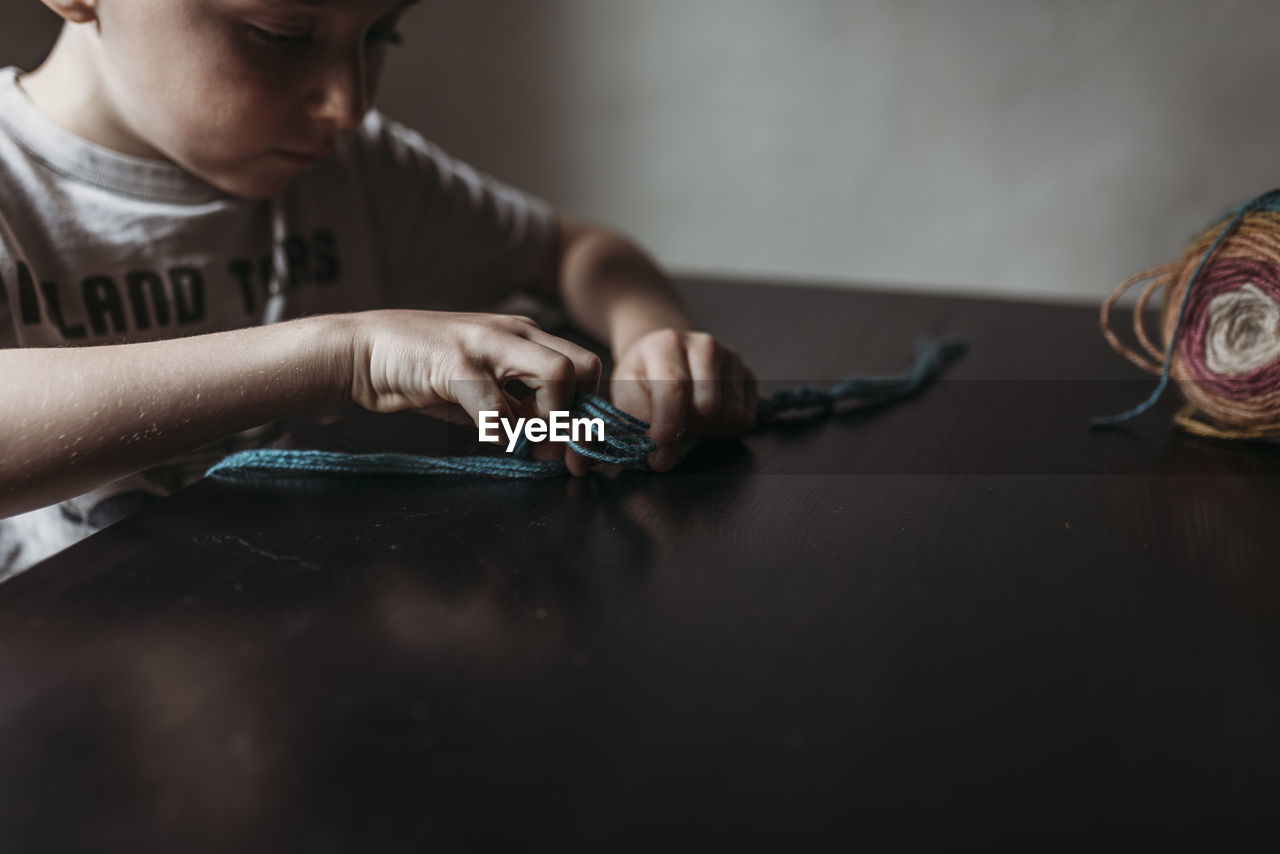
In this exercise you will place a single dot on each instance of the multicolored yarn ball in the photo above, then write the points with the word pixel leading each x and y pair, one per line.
pixel 1220 327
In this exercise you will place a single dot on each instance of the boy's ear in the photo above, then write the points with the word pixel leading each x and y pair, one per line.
pixel 74 11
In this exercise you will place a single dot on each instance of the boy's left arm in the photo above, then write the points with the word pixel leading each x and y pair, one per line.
pixel 682 381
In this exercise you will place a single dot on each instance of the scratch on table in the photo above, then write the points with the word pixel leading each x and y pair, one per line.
pixel 251 548
pixel 435 511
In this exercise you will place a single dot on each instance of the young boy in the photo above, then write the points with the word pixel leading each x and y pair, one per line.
pixel 179 175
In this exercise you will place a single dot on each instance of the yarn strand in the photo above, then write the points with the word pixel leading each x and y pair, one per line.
pixel 626 443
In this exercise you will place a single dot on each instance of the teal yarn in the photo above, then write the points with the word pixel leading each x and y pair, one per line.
pixel 932 357
pixel 626 443
pixel 269 461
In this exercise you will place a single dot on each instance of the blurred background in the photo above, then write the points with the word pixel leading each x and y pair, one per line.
pixel 1036 149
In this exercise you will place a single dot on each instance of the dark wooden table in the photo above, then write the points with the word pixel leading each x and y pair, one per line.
pixel 962 622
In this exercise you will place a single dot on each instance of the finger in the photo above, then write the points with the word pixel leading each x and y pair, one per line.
pixel 537 450
pixel 547 450
pixel 669 397
pixel 631 395
pixel 735 397
pixel 550 373
pixel 706 369
pixel 752 397
pixel 481 396
pixel 577 464
pixel 586 364
pixel 445 411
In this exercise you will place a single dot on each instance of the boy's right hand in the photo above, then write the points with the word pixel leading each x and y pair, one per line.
pixel 425 359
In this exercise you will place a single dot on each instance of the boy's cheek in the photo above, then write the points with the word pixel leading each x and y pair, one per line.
pixel 203 102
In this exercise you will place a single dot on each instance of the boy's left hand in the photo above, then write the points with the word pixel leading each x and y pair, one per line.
pixel 684 384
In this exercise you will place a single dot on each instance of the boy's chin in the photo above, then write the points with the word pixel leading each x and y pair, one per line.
pixel 256 190
pixel 253 184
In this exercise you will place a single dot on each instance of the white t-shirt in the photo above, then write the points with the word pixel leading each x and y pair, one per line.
pixel 98 247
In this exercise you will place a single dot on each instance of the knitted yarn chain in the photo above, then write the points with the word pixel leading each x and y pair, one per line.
pixel 625 444
pixel 1220 325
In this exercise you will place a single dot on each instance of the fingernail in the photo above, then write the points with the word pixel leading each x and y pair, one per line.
pixel 664 459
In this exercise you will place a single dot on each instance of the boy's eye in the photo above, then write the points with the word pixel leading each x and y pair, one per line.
pixel 304 39
pixel 277 39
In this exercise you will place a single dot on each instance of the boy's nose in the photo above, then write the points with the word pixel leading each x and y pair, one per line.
pixel 342 99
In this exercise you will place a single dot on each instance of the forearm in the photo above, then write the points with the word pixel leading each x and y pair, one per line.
pixel 613 290
pixel 75 418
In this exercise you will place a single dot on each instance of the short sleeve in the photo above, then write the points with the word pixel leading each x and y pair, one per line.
pixel 450 235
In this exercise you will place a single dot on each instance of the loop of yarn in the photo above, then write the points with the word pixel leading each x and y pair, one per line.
pixel 1220 325
pixel 626 443
pixel 932 357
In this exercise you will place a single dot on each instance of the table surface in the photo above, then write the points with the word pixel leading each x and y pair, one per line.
pixel 962 621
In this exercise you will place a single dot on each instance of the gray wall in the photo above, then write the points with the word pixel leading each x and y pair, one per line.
pixel 1041 148
pixel 27 30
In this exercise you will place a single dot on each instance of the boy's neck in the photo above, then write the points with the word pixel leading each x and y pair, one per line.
pixel 67 87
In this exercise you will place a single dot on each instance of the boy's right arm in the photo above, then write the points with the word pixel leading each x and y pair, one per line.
pixel 76 418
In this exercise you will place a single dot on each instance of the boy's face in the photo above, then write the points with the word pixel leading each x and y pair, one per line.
pixel 245 94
